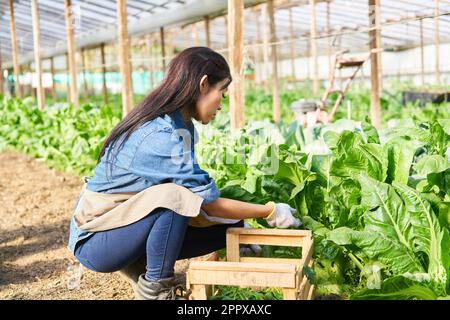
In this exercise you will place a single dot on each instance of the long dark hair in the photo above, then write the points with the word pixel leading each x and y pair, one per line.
pixel 179 89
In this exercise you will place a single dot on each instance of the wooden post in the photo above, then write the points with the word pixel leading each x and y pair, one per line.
pixel 15 50
pixel 313 34
pixel 83 67
pixel 374 77
pixel 308 61
pixel 71 53
pixel 339 49
pixel 37 53
pixel 225 18
pixel 207 39
pixel 437 42
pixel 274 60
pixel 265 47
pixel 103 62
pixel 291 39
pixel 68 78
pixel 33 92
pixel 195 32
pixel 422 56
pixel 259 57
pixel 1 72
pixel 52 71
pixel 151 62
pixel 380 61
pixel 235 50
pixel 330 62
pixel 124 57
pixel 163 47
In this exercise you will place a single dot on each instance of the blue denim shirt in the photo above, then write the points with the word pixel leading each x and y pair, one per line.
pixel 160 151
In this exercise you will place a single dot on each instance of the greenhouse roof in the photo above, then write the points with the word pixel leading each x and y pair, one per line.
pixel 95 23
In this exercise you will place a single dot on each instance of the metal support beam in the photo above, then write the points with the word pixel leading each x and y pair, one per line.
pixel 188 12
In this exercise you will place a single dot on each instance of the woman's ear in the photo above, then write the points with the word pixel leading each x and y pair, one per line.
pixel 204 83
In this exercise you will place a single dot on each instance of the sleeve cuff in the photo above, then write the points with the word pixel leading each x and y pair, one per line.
pixel 208 192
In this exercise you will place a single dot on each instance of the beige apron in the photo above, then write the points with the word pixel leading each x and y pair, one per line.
pixel 97 211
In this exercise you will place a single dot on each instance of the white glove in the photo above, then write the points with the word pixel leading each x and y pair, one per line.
pixel 283 217
pixel 249 250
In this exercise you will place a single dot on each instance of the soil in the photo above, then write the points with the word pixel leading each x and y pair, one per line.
pixel 35 262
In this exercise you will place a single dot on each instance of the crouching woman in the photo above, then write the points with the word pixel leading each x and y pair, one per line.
pixel 148 202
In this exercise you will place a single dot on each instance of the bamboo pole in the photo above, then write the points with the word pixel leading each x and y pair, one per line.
pixel 225 18
pixel 33 92
pixel 37 53
pixel 274 60
pixel 195 31
pixel 379 44
pixel 73 92
pixel 330 62
pixel 422 56
pixel 313 34
pixel 15 49
pixel 103 61
pixel 151 63
pixel 207 39
pixel 235 50
pixel 292 47
pixel 260 57
pixel 437 42
pixel 1 72
pixel 83 68
pixel 163 47
pixel 52 71
pixel 265 47
pixel 374 76
pixel 124 57
pixel 68 78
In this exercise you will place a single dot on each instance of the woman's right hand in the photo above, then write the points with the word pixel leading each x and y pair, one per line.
pixel 283 217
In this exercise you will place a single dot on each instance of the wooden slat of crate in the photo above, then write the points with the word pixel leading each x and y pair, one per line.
pixel 243 274
pixel 271 260
pixel 286 241
pixel 273 232
pixel 306 288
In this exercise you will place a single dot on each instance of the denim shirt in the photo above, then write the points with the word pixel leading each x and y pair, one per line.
pixel 160 151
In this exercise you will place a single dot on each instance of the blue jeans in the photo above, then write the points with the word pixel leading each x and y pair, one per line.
pixel 163 237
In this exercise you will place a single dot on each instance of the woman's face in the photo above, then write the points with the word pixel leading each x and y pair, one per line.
pixel 209 100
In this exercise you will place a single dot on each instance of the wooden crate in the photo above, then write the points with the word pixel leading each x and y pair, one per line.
pixel 286 274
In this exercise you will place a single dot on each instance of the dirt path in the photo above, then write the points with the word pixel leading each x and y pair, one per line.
pixel 35 263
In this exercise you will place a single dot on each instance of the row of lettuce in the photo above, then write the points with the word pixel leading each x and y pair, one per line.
pixel 377 201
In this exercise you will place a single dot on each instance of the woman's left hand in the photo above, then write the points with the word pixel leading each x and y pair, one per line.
pixel 249 250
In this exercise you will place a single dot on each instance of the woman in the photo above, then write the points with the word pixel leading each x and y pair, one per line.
pixel 148 199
